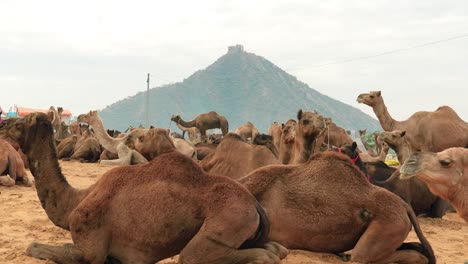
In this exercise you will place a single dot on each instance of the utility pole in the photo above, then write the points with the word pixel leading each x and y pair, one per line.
pixel 147 101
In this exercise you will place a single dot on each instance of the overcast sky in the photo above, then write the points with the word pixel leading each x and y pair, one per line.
pixel 86 55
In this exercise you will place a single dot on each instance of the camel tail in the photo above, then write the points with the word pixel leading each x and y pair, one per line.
pixel 427 248
pixel 263 230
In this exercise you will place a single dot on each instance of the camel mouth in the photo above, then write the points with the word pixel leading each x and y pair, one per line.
pixel 409 169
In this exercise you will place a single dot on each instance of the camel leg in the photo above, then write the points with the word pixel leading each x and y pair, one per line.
pixel 380 242
pixel 203 136
pixel 67 253
pixel 221 235
pixel 6 180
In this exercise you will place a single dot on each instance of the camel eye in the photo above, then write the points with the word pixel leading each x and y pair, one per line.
pixel 371 96
pixel 305 122
pixel 444 163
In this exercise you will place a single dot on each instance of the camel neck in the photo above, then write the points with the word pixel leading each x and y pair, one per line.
pixel 57 197
pixel 385 119
pixel 186 124
pixel 403 152
pixel 303 148
pixel 459 199
pixel 104 139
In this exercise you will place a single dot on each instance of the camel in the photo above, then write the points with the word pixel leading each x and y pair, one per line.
pixel 11 166
pixel 204 122
pixel 66 147
pixel 193 133
pixel 145 213
pixel 309 127
pixel 185 147
pixel 445 173
pixel 236 158
pixel 381 157
pixel 267 141
pixel 398 142
pixel 55 115
pixel 327 205
pixel 287 138
pixel 5 127
pixel 247 131
pixel 335 135
pixel 114 145
pixel 275 131
pixel 87 147
pixel 154 142
pixel 426 131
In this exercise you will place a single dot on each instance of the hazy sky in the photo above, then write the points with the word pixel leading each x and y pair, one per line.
pixel 85 55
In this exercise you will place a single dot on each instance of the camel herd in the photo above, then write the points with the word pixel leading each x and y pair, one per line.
pixel 241 197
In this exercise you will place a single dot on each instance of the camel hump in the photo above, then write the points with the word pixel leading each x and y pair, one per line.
pixel 233 136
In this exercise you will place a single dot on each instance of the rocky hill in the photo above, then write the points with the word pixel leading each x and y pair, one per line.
pixel 241 86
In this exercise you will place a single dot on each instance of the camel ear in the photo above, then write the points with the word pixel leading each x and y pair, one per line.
pixel 402 133
pixel 299 114
pixel 168 131
pixel 378 93
pixel 354 146
pixel 282 125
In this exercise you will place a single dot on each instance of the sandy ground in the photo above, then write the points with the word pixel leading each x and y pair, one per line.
pixel 22 221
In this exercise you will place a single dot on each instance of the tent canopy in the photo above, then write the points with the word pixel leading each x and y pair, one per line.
pixel 23 111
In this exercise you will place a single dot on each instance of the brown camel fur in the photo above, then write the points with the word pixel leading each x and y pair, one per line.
pixel 335 136
pixel 247 131
pixel 185 147
pixel 327 205
pixel 288 136
pixel 236 158
pixel 66 147
pixel 309 128
pixel 113 144
pixel 275 131
pixel 205 122
pixel 87 147
pixel 55 117
pixel 5 127
pixel 445 173
pixel 154 142
pixel 267 141
pixel 205 149
pixel 426 131
pixel 11 166
pixel 145 213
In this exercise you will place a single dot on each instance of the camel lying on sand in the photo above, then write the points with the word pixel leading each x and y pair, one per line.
pixel 426 131
pixel 154 142
pixel 119 219
pixel 247 131
pixel 205 122
pixel 445 173
pixel 327 205
pixel 87 147
pixel 114 145
pixel 236 158
pixel 11 166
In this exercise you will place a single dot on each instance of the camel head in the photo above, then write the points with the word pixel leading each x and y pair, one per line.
pixel 154 142
pixel 25 130
pixel 60 110
pixel 441 171
pixel 89 118
pixel 175 118
pixel 310 123
pixel 394 138
pixel 371 99
pixel 263 139
pixel 288 131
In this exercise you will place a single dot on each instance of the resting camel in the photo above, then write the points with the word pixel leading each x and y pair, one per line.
pixel 275 131
pixel 87 147
pixel 205 122
pixel 114 145
pixel 288 136
pixel 309 127
pixel 5 127
pixel 445 173
pixel 119 219
pixel 246 131
pixel 398 142
pixel 382 154
pixel 154 142
pixel 267 141
pixel 11 166
pixel 327 205
pixel 426 131
pixel 55 115
pixel 185 147
pixel 236 158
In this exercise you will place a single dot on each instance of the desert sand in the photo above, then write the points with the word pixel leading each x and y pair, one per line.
pixel 22 221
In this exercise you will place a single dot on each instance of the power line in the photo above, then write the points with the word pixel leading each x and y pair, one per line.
pixel 383 53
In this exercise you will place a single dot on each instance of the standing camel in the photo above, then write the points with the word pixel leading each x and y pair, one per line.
pixel 205 122
pixel 145 213
pixel 426 131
